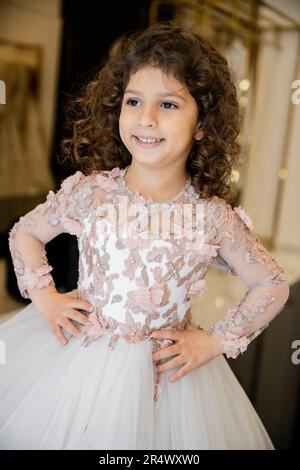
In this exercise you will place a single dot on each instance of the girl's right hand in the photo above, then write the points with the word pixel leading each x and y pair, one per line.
pixel 58 309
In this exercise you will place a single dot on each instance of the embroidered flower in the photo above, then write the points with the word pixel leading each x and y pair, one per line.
pixel 27 223
pixel 69 183
pixel 38 278
pixel 234 345
pixel 51 207
pixel 112 173
pixel 107 182
pixel 245 218
pixel 94 327
pixel 157 294
pixel 51 197
pixel 205 253
pixel 18 262
pixel 147 298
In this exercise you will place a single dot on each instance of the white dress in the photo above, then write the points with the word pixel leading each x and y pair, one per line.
pixel 102 389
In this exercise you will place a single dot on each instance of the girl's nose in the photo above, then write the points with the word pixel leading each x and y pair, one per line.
pixel 147 116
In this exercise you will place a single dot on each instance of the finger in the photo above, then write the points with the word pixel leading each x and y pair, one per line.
pixel 82 305
pixel 77 316
pixel 180 373
pixel 67 325
pixel 166 334
pixel 177 361
pixel 165 352
pixel 59 334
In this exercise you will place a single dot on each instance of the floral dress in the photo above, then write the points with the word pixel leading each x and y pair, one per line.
pixel 141 264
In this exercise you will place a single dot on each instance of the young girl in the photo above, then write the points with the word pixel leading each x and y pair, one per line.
pixel 119 363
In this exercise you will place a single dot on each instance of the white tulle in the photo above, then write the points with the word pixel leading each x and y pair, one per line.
pixel 70 397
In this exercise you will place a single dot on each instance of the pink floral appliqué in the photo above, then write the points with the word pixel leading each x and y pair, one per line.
pixel 94 327
pixel 147 298
pixel 233 344
pixel 69 183
pixel 205 253
pixel 245 218
pixel 38 278
pixel 107 182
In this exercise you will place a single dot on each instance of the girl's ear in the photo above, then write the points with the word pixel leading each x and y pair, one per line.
pixel 199 133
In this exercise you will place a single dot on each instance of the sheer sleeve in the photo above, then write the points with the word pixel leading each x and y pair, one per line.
pixel 242 254
pixel 60 213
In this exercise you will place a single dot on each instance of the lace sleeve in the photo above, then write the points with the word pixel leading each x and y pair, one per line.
pixel 58 214
pixel 265 280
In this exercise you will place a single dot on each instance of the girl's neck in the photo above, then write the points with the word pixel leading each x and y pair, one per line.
pixel 156 183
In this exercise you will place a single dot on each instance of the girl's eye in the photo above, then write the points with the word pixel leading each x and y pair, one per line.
pixel 165 102
pixel 131 100
pixel 172 104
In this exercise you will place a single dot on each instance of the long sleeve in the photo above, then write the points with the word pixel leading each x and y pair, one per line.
pixel 60 213
pixel 267 289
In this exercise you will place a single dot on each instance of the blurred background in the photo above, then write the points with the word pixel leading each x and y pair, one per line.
pixel 49 48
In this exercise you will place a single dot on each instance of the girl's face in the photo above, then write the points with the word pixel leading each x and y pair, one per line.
pixel 157 106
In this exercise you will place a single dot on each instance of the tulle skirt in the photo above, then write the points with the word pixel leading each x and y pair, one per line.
pixel 55 396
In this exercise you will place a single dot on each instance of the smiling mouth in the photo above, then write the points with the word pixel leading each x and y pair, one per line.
pixel 148 140
pixel 147 143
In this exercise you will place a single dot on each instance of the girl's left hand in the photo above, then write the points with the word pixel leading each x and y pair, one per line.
pixel 193 348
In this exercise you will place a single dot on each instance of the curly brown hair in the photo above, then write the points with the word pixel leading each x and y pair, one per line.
pixel 93 116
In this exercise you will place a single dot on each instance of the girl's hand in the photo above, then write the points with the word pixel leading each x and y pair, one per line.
pixel 193 348
pixel 58 309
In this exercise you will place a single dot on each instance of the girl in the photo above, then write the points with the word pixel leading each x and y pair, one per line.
pixel 119 363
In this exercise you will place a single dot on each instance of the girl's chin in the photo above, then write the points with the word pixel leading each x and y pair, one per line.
pixel 146 157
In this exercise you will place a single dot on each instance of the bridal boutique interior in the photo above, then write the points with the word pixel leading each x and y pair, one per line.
pixel 47 49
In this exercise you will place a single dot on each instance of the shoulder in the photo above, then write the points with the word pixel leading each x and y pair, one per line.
pixel 87 188
pixel 101 178
pixel 224 219
pixel 72 182
pixel 229 213
pixel 218 210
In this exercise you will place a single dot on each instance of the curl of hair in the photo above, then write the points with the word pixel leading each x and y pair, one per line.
pixel 93 116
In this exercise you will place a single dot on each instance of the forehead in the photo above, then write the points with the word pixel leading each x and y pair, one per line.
pixel 153 79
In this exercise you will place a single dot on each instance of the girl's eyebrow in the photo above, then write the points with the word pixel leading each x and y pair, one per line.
pixel 165 94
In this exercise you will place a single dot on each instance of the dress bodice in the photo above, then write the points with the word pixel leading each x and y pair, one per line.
pixel 140 279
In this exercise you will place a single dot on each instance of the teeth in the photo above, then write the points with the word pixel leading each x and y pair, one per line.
pixel 149 141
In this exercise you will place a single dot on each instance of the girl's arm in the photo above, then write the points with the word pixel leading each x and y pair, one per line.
pixel 27 238
pixel 267 287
